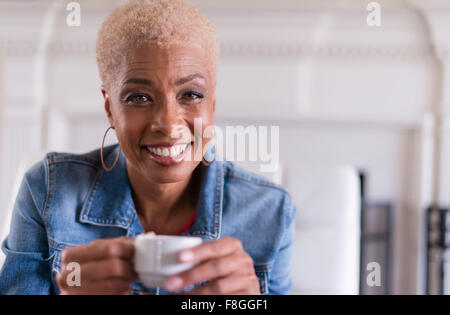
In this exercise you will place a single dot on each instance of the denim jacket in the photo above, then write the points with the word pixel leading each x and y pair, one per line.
pixel 67 200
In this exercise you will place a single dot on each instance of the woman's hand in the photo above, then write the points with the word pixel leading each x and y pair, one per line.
pixel 224 263
pixel 106 267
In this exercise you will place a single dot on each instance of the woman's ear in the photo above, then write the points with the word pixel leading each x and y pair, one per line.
pixel 107 105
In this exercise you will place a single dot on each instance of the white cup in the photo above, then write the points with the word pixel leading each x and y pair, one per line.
pixel 156 257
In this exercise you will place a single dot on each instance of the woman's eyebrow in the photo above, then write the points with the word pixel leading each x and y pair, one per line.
pixel 139 81
pixel 151 83
pixel 189 78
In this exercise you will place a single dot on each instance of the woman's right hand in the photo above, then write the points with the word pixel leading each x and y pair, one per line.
pixel 106 267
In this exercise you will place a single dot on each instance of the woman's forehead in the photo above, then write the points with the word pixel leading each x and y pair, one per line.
pixel 157 55
pixel 175 61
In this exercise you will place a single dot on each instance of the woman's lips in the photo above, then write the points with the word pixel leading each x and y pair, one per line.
pixel 167 154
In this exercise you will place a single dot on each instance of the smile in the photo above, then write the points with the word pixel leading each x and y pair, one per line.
pixel 172 151
pixel 167 154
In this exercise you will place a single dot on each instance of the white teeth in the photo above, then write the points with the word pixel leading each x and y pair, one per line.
pixel 173 151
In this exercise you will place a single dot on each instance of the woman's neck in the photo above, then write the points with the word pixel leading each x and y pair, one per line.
pixel 155 202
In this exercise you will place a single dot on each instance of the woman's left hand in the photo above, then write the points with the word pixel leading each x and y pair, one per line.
pixel 224 263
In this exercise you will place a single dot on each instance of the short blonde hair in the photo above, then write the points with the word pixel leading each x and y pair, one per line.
pixel 162 22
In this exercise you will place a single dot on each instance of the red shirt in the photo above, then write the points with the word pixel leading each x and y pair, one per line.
pixel 189 224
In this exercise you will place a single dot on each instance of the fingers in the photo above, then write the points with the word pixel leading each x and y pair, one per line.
pixel 111 268
pixel 223 263
pixel 104 266
pixel 110 286
pixel 235 284
pixel 222 247
pixel 211 269
pixel 99 249
pixel 101 270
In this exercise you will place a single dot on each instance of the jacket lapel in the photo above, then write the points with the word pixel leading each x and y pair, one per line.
pixel 109 201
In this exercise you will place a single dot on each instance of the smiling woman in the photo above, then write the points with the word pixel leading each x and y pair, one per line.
pixel 157 60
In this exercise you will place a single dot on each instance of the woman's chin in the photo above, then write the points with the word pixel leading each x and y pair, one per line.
pixel 170 174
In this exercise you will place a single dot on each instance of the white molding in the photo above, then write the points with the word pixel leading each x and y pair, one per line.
pixel 285 16
pixel 436 23
pixel 241 49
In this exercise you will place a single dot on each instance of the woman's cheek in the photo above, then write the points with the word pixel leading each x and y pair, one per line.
pixel 129 132
pixel 134 124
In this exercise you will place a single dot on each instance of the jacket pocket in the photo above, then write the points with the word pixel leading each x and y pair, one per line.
pixel 262 272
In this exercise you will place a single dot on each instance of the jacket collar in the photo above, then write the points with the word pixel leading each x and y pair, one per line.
pixel 110 203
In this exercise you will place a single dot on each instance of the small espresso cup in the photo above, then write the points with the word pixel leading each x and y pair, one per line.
pixel 156 257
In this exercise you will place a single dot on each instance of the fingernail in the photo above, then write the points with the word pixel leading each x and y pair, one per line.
pixel 186 255
pixel 174 283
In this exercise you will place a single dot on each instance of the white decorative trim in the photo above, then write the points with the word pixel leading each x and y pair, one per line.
pixel 239 49
pixel 289 49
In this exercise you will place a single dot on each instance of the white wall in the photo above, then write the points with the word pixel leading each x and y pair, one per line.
pixel 341 92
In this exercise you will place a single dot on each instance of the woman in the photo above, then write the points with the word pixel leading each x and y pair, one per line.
pixel 157 61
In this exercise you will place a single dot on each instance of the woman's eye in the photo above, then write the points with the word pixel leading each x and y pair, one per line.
pixel 192 96
pixel 137 99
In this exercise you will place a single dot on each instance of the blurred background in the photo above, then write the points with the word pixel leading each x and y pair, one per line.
pixel 362 102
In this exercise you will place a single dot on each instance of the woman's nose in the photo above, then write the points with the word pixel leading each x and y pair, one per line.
pixel 166 118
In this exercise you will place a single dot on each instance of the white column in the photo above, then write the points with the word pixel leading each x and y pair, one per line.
pixel 443 139
pixel 40 71
pixel 2 149
pixel 422 192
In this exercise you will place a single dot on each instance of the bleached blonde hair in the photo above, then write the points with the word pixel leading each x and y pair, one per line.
pixel 161 22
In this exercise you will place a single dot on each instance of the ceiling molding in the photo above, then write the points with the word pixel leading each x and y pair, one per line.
pixel 240 49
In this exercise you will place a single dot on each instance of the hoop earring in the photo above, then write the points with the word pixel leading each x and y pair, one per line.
pixel 209 151
pixel 101 153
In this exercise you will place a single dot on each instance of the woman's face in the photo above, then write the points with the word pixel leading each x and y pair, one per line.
pixel 159 93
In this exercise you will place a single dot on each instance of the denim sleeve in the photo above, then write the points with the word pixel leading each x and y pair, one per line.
pixel 280 281
pixel 26 269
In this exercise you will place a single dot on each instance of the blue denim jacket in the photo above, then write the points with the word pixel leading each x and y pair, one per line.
pixel 68 199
